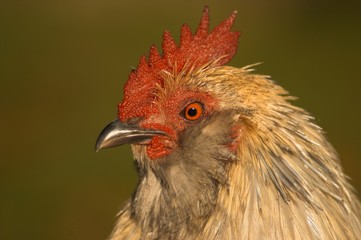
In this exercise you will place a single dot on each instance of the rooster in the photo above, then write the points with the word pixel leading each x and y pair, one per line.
pixel 221 153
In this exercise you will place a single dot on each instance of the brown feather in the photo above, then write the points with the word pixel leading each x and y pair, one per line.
pixel 284 181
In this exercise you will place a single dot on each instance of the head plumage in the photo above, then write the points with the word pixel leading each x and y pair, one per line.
pixel 194 51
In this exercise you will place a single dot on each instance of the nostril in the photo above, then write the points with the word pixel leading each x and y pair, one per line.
pixel 133 121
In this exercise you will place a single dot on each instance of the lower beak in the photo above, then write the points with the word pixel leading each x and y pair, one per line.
pixel 117 133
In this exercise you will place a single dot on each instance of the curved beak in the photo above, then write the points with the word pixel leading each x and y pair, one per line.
pixel 117 133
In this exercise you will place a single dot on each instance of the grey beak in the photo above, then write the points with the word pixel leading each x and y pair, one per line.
pixel 117 133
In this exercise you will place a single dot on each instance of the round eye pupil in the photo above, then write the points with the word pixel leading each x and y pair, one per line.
pixel 192 112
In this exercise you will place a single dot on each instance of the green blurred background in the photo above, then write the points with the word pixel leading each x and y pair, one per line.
pixel 62 68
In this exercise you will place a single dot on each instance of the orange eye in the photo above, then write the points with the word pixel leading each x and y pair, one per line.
pixel 193 111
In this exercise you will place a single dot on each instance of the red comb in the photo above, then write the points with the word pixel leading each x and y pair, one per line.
pixel 194 50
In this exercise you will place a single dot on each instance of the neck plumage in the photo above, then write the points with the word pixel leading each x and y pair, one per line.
pixel 285 182
pixel 177 194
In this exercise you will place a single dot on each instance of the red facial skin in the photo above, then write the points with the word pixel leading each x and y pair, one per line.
pixel 195 50
pixel 166 115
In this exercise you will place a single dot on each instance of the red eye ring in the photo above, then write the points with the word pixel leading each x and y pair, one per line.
pixel 193 111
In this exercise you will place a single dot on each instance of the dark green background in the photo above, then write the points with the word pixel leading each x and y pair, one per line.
pixel 62 68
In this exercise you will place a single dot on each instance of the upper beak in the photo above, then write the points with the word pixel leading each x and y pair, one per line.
pixel 117 133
